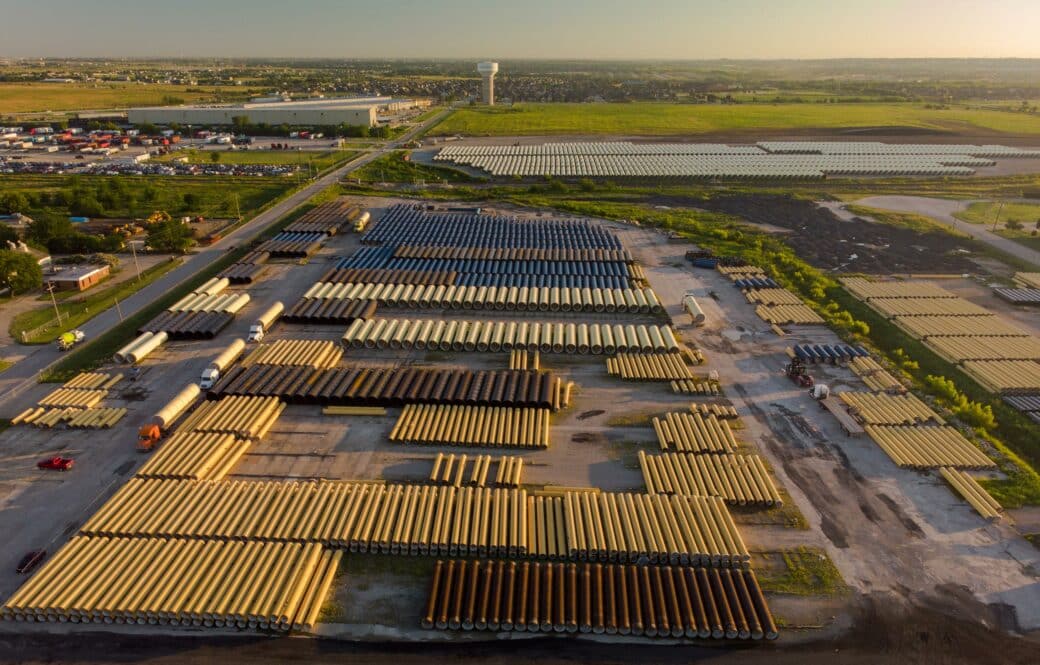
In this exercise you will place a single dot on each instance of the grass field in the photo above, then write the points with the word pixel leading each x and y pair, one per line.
pixel 320 160
pixel 652 119
pixel 32 97
pixel 984 212
pixel 77 311
pixel 394 168
pixel 139 196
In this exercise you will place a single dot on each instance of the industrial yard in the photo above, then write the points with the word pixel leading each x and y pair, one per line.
pixel 453 424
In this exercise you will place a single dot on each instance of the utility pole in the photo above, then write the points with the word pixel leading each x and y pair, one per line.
pixel 133 250
pixel 118 309
pixel 57 313
pixel 997 218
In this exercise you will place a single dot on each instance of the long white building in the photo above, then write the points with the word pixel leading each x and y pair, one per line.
pixel 336 111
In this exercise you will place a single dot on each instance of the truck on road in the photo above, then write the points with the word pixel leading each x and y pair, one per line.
pixel 265 321
pixel 211 374
pixel 152 431
pixel 69 339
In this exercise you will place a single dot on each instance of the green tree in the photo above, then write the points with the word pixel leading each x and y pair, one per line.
pixel 170 236
pixel 12 202
pixel 7 234
pixel 214 156
pixel 19 271
pixel 1013 225
pixel 46 227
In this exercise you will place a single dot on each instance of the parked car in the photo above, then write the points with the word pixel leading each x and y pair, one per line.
pixel 56 463
pixel 31 559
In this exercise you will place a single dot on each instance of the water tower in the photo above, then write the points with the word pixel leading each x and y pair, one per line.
pixel 487 71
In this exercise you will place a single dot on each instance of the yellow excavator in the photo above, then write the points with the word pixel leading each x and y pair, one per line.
pixel 157 217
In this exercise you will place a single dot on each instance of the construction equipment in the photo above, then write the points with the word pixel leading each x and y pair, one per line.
pixel 69 339
pixel 157 217
pixel 798 372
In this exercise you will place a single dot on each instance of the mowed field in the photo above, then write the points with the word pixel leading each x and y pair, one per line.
pixel 656 119
pixel 31 97
pixel 319 160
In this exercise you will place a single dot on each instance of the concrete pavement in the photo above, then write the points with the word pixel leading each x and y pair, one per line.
pixel 25 373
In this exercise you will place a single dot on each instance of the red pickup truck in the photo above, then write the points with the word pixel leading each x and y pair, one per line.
pixel 56 463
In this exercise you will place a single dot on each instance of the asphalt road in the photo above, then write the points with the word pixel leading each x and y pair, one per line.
pixel 24 374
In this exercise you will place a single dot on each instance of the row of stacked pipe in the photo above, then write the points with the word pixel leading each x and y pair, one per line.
pixel 429 520
pixel 455 425
pixel 999 355
pixel 461 335
pixel 699 457
pixel 306 235
pixel 381 386
pixel 502 298
pixel 247 269
pixel 213 437
pixel 613 599
pixel 452 470
pixel 76 404
pixel 773 304
pixel 199 315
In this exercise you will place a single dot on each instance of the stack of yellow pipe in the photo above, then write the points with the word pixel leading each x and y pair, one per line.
pixel 882 409
pixel 695 387
pixel 245 417
pixel 772 297
pixel 649 366
pixel 93 418
pixel 519 359
pixel 93 381
pixel 875 376
pixel 972 492
pixel 922 447
pixel 692 530
pixel 196 456
pixel 310 352
pixel 789 314
pixel 1005 376
pixel 472 426
pixel 738 479
pixel 258 585
pixel 720 411
pixel 693 433
pixel 75 397
pixel 422 519
pixel 866 289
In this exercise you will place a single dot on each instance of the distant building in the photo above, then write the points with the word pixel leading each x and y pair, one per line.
pixel 310 112
pixel 78 278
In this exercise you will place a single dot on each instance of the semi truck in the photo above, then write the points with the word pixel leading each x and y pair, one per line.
pixel 211 374
pixel 265 321
pixel 152 432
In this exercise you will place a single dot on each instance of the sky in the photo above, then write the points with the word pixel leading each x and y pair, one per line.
pixel 501 29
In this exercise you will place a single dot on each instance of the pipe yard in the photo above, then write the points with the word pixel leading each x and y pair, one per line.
pixel 528 409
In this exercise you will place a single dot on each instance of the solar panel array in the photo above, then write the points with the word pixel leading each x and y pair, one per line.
pixel 769 159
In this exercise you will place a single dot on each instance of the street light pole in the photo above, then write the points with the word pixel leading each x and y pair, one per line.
pixel 133 250
pixel 997 218
pixel 54 301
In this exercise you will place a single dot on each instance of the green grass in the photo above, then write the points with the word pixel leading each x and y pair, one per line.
pixel 4 364
pixel 984 212
pixel 28 97
pixel 1025 238
pixel 138 197
pixel 906 220
pixel 394 168
pixel 77 311
pixel 804 571
pixel 660 119
pixel 318 160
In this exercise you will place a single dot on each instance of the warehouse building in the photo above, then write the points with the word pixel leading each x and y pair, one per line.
pixel 79 278
pixel 363 111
